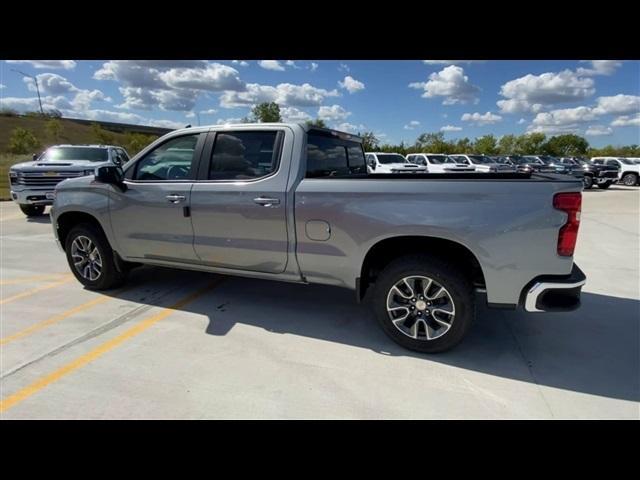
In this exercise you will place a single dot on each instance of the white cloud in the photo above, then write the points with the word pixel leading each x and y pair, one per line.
pixel 223 121
pixel 450 128
pixel 313 67
pixel 481 119
pixel 349 127
pixel 531 92
pixel 242 63
pixel 53 64
pixel 291 63
pixel 598 130
pixel 292 114
pixel 334 112
pixel 343 67
pixel 564 117
pixel 271 65
pixel 411 125
pixel 351 84
pixel 450 83
pixel 216 77
pixel 599 67
pixel 31 104
pixel 627 121
pixel 51 84
pixel 145 99
pixel 553 129
pixel 521 121
pixel 210 111
pixel 617 105
pixel 2 86
pixel 85 98
pixel 284 94
pixel 190 115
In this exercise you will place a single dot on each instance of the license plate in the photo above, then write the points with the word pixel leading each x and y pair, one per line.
pixel 50 196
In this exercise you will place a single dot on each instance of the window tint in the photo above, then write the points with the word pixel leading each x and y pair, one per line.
pixel 244 155
pixel 170 161
pixel 330 157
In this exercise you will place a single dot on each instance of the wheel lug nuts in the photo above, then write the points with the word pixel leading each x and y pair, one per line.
pixel 413 299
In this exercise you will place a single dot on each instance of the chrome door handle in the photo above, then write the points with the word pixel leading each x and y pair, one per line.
pixel 173 198
pixel 267 202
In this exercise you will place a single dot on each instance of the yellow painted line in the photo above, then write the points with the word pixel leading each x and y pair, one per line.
pixel 28 293
pixel 34 278
pixel 20 395
pixel 55 319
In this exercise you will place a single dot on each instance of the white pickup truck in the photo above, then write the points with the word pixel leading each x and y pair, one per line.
pixel 482 163
pixel 629 173
pixel 439 163
pixel 379 162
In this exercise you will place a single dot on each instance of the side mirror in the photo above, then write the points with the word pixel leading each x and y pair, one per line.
pixel 34 157
pixel 113 175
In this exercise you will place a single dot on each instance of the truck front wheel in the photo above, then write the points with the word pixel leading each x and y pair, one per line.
pixel 604 185
pixel 423 303
pixel 32 210
pixel 91 258
pixel 587 182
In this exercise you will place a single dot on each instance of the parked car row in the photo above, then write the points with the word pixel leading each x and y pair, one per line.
pixel 600 171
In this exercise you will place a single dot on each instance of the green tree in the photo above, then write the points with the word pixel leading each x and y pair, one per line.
pixel 267 112
pixel 318 122
pixel 134 142
pixel 463 145
pixel 22 141
pixel 100 134
pixel 530 144
pixel 54 129
pixel 433 143
pixel 507 144
pixel 486 145
pixel 369 141
pixel 566 146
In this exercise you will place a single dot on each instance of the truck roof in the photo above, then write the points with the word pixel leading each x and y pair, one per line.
pixel 84 145
pixel 307 128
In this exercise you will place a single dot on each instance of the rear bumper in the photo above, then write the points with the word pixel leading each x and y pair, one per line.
pixel 553 293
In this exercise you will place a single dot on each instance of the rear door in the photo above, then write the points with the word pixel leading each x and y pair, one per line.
pixel 238 204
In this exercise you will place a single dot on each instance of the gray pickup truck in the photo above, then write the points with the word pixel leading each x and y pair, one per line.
pixel 295 203
pixel 33 183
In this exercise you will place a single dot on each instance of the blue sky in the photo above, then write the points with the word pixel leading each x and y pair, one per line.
pixel 397 100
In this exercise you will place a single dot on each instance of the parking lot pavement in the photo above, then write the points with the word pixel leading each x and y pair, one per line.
pixel 177 344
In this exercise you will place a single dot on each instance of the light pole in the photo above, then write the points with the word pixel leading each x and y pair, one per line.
pixel 35 79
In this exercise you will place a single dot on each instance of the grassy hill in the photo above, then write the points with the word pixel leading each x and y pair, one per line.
pixel 71 131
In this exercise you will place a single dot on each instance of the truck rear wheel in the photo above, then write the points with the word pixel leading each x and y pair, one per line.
pixel 604 185
pixel 91 258
pixel 32 210
pixel 423 303
pixel 630 179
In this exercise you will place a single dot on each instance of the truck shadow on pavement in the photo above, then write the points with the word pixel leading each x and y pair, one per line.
pixel 594 350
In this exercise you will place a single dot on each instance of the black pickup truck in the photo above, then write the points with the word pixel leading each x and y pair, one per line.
pixel 602 175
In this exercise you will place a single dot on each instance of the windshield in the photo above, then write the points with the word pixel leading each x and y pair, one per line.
pixel 439 159
pixel 75 153
pixel 480 159
pixel 535 160
pixel 387 158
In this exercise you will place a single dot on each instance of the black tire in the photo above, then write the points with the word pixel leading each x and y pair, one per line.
pixel 604 185
pixel 32 210
pixel 109 276
pixel 448 276
pixel 630 179
pixel 587 182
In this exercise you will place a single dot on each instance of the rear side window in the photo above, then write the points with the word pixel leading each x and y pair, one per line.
pixel 333 157
pixel 244 155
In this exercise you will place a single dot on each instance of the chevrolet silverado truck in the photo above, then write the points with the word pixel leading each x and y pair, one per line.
pixel 439 163
pixel 295 203
pixel 33 183
pixel 593 174
pixel 379 162
pixel 628 170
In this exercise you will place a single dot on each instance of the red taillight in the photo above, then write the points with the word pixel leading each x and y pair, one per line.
pixel 570 203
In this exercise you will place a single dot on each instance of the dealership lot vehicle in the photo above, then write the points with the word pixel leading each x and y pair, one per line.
pixel 629 170
pixel 439 163
pixel 250 348
pixel 378 162
pixel 292 203
pixel 601 175
pixel 33 183
pixel 482 163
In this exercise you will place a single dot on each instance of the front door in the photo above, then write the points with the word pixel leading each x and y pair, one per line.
pixel 151 218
